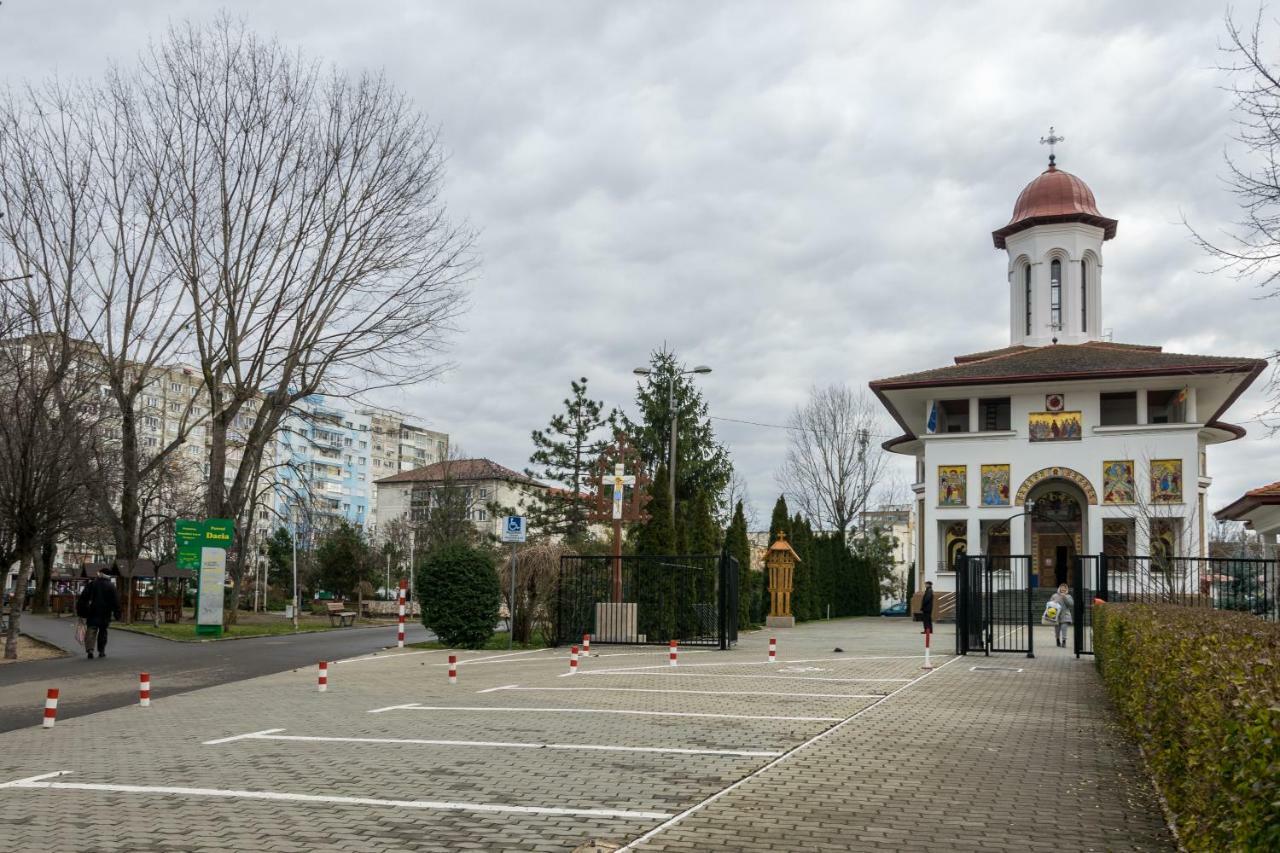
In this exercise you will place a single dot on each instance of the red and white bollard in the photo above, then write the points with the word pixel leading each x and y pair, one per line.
pixel 573 660
pixel 144 690
pixel 586 644
pixel 400 625
pixel 773 650
pixel 50 707
pixel 674 650
pixel 323 684
pixel 927 636
pixel 453 669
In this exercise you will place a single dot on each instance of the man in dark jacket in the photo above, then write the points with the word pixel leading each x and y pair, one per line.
pixel 926 606
pixel 96 605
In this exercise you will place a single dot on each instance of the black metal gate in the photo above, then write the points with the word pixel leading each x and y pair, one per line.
pixel 648 600
pixel 994 607
pixel 1091 584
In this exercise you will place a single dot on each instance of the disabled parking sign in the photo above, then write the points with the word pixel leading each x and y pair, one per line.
pixel 513 529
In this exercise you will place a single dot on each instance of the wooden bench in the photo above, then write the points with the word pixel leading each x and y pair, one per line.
pixel 339 615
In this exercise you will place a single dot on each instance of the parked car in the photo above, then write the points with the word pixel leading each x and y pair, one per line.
pixel 898 608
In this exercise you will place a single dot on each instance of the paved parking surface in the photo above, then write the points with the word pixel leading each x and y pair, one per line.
pixel 820 750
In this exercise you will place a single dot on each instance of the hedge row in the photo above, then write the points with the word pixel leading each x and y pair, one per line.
pixel 1200 690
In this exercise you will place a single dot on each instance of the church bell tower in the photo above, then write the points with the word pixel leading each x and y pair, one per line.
pixel 1054 241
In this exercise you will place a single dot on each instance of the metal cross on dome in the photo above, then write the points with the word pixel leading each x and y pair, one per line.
pixel 1051 140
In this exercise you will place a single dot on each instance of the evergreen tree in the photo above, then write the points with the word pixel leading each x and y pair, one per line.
pixel 344 559
pixel 656 537
pixel 911 583
pixel 780 522
pixel 702 464
pixel 565 453
pixel 739 546
pixel 280 557
pixel 803 596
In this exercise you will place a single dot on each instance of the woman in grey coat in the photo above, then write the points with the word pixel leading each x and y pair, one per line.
pixel 1065 605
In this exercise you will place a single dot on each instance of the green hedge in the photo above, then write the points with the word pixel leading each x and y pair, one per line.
pixel 1200 690
pixel 459 589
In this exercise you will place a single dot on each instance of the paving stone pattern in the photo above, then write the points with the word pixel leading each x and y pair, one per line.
pixel 1023 744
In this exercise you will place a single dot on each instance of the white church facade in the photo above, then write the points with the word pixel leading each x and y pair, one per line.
pixel 1106 441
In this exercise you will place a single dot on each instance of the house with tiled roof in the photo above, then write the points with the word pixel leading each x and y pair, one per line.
pixel 1062 443
pixel 410 495
pixel 1259 509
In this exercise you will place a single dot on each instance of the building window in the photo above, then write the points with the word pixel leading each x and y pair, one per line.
pixel 1118 409
pixel 953 416
pixel 1084 296
pixel 1026 273
pixel 1055 294
pixel 993 413
pixel 1165 407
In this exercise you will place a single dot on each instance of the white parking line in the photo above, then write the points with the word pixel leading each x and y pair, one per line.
pixel 269 734
pixel 701 692
pixel 38 782
pixel 768 663
pixel 823 735
pixel 668 674
pixel 483 709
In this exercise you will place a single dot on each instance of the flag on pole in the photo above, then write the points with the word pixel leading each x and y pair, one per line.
pixel 933 418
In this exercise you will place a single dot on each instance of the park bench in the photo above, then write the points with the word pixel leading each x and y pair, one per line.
pixel 339 615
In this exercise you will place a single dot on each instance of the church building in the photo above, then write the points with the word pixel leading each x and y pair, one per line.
pixel 1106 441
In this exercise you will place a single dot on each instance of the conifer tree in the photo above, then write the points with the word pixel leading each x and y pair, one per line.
pixel 656 537
pixel 739 546
pixel 780 522
pixel 702 464
pixel 565 453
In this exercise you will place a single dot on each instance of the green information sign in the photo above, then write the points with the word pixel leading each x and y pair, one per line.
pixel 202 547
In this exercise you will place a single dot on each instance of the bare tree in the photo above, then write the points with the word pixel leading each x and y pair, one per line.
pixel 833 464
pixel 80 223
pixel 302 211
pixel 1171 532
pixel 44 459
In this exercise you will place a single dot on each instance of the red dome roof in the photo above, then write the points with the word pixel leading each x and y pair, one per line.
pixel 1054 196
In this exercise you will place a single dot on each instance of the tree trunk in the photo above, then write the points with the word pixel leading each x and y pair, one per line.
pixel 15 605
pixel 44 578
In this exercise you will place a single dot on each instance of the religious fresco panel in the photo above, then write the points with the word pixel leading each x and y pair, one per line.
pixel 1117 482
pixel 1166 481
pixel 995 485
pixel 1054 426
pixel 951 485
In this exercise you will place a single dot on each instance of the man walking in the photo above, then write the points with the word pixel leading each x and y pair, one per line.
pixel 96 605
pixel 926 607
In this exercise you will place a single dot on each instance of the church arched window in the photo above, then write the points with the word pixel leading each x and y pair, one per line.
pixel 1055 294
pixel 1084 295
pixel 1026 294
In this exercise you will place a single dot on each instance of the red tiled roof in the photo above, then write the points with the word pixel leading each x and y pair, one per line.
pixel 1249 501
pixel 459 469
pixel 1093 359
pixel 1054 196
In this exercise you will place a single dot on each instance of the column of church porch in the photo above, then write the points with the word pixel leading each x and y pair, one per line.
pixel 974 426
pixel 1142 406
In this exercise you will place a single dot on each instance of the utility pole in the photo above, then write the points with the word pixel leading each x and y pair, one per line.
pixel 671 410
pixel 295 574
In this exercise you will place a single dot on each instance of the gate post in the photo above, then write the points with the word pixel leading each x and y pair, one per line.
pixel 1031 615
pixel 962 617
pixel 723 599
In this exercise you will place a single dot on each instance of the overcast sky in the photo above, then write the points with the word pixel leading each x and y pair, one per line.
pixel 793 193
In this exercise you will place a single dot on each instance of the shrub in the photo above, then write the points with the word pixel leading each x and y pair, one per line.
pixel 1200 691
pixel 459 595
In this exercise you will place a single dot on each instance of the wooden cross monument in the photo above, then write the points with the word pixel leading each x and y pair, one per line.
pixel 613 504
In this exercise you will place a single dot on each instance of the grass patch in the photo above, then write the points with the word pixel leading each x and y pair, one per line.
pixel 496 643
pixel 248 625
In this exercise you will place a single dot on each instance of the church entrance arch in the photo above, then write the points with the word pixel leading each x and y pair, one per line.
pixel 1056 531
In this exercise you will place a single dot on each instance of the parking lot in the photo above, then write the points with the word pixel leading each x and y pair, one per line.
pixel 518 754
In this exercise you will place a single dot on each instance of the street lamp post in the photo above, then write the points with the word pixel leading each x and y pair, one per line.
pixel 295 573
pixel 671 409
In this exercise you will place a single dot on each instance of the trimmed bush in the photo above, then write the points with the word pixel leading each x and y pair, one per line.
pixel 1200 691
pixel 459 595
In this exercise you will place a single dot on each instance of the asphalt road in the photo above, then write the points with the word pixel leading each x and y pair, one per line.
pixel 88 686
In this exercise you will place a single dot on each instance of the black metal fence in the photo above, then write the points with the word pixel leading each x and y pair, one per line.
pixel 1242 584
pixel 648 600
pixel 994 608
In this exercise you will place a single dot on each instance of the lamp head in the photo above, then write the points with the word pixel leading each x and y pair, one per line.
pixel 701 368
pixel 642 371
